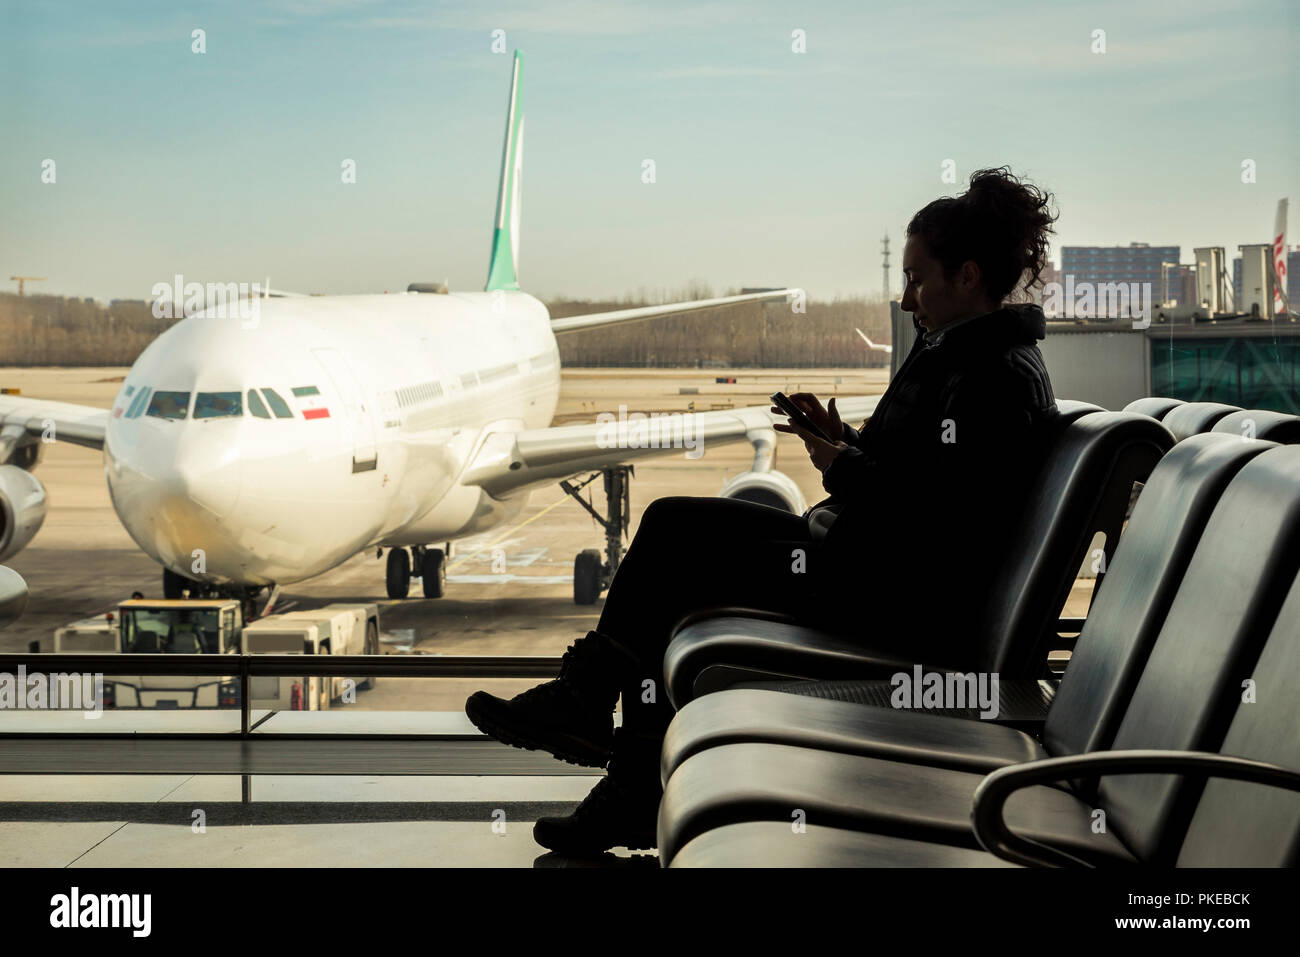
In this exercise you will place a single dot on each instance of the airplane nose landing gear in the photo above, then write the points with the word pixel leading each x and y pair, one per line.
pixel 429 564
pixel 591 575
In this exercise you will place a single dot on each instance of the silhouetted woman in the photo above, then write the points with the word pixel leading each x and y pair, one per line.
pixel 899 556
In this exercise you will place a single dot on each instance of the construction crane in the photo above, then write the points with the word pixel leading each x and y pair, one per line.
pixel 23 280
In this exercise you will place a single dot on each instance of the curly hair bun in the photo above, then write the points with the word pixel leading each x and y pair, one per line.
pixel 1001 223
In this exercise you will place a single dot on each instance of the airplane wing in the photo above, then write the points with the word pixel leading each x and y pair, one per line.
pixel 63 421
pixel 510 462
pixel 595 319
pixel 873 345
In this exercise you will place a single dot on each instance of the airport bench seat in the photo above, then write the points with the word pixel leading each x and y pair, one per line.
pixel 1084 487
pixel 742 782
pixel 777 844
pixel 1144 575
pixel 1236 615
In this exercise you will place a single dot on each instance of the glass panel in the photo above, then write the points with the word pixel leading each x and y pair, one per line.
pixel 255 406
pixel 218 405
pixel 1248 371
pixel 169 631
pixel 169 405
pixel 278 405
pixel 137 404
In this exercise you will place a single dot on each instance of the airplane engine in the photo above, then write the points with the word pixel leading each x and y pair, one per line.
pixel 766 488
pixel 22 509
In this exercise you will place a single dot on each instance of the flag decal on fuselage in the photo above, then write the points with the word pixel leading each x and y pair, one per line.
pixel 312 407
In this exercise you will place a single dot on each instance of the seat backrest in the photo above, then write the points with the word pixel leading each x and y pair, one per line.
pixel 1239 824
pixel 185 642
pixel 1067 410
pixel 1238 577
pixel 1261 424
pixel 1140 585
pixel 1083 487
pixel 1156 406
pixel 1193 418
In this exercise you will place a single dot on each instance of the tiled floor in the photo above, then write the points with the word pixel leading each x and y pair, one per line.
pixel 126 821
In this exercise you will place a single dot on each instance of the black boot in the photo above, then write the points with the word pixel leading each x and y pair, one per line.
pixel 622 810
pixel 572 717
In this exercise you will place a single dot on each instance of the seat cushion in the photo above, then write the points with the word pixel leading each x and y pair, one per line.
pixel 1261 424
pixel 776 844
pixel 917 737
pixel 1193 418
pixel 1155 406
pixel 777 782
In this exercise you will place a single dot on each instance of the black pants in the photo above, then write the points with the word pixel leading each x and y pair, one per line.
pixel 694 553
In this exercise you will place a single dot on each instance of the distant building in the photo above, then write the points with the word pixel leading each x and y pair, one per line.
pixel 1136 262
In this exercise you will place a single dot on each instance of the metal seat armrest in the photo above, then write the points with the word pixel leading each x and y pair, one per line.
pixel 993 792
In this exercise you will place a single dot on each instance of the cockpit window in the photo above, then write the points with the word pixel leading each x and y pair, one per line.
pixel 278 405
pixel 217 405
pixel 169 405
pixel 137 404
pixel 255 405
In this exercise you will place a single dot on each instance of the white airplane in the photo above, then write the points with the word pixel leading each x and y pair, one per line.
pixel 871 345
pixel 241 456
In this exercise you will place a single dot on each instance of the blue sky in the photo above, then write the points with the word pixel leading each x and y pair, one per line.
pixel 772 167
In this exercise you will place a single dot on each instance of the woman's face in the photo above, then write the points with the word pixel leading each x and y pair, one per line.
pixel 935 300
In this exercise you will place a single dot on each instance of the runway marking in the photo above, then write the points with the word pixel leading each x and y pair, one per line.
pixel 506 534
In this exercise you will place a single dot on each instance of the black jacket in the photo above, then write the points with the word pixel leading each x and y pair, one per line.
pixel 928 489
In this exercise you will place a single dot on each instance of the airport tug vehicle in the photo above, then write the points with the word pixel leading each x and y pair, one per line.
pixel 217 626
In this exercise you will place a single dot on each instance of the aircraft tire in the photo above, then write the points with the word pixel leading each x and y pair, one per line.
pixel 586 577
pixel 433 573
pixel 398 575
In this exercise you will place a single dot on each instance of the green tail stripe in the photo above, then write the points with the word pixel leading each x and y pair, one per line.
pixel 505 235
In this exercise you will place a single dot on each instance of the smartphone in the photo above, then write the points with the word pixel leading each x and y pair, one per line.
pixel 798 416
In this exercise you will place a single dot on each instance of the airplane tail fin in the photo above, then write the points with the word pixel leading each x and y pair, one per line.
pixel 505 234
pixel 1281 304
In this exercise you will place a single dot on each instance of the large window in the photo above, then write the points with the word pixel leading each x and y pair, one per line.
pixel 218 405
pixel 169 405
pixel 1254 372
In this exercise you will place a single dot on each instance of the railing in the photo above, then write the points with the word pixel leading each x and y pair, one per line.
pixel 246 667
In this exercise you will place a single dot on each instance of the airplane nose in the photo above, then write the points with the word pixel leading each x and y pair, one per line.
pixel 204 473
pixel 176 493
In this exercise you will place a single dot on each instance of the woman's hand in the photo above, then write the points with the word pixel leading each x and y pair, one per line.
pixel 820 451
pixel 828 420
